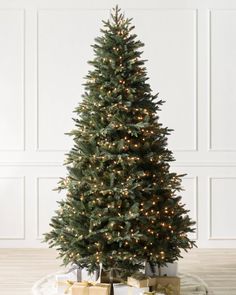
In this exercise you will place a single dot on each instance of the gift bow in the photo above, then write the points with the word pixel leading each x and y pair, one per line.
pixel 168 290
pixel 114 275
pixel 68 283
pixel 86 284
pixel 139 276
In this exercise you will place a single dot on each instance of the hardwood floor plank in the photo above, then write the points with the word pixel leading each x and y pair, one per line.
pixel 217 267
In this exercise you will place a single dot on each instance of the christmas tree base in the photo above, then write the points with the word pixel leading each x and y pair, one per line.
pixel 189 285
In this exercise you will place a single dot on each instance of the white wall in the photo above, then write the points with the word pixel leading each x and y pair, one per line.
pixel 44 48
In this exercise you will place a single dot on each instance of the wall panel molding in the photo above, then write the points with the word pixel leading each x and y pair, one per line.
pixel 174 23
pixel 194 13
pixel 11 90
pixel 50 201
pixel 194 214
pixel 75 16
pixel 211 236
pixel 45 45
pixel 173 164
pixel 38 148
pixel 211 15
pixel 21 235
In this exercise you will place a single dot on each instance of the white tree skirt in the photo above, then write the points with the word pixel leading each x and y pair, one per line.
pixel 190 285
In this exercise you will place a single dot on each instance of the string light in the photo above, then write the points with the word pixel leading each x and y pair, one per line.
pixel 116 144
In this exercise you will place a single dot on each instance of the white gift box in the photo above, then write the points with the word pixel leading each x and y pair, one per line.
pixel 122 289
pixel 170 269
pixel 61 279
pixel 85 276
pixel 60 288
pixel 72 276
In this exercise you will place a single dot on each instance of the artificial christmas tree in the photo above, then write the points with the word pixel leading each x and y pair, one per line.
pixel 122 207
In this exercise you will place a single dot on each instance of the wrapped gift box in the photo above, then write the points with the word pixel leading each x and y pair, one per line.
pixel 71 276
pixel 140 280
pixel 63 287
pixel 63 281
pixel 113 275
pixel 167 285
pixel 84 288
pixel 122 289
pixel 170 269
pixel 86 276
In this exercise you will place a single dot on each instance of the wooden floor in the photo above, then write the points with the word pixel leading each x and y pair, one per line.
pixel 217 267
pixel 20 268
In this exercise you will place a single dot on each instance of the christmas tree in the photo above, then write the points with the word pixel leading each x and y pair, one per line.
pixel 122 207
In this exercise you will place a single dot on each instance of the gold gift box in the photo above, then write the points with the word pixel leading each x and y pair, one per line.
pixel 168 285
pixel 141 281
pixel 85 288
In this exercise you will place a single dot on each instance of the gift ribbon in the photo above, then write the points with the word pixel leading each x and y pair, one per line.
pixel 68 283
pixel 114 275
pixel 168 290
pixel 83 284
pixel 141 277
pixel 79 271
